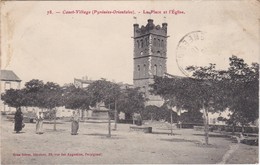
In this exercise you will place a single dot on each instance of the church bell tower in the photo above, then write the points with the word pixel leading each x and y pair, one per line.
pixel 150 54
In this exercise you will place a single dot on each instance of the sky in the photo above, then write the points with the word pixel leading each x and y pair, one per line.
pixel 59 47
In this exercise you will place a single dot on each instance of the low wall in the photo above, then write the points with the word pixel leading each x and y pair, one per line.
pixel 143 129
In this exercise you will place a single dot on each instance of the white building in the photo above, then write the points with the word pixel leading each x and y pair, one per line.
pixel 82 83
pixel 213 117
pixel 8 80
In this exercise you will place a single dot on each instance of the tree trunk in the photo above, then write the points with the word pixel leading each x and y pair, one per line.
pixel 54 126
pixel 115 117
pixel 82 114
pixel 133 119
pixel 233 129
pixel 243 128
pixel 109 123
pixel 206 125
pixel 171 122
pixel 109 126
pixel 180 120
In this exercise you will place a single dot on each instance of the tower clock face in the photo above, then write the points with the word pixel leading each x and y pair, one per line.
pixel 191 51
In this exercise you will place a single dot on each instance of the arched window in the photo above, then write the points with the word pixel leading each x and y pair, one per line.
pixel 162 43
pixel 154 42
pixel 138 70
pixel 155 70
pixel 142 43
pixel 138 44
pixel 144 70
pixel 159 53
pixel 146 41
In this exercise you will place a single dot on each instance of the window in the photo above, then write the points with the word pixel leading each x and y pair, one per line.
pixel 155 70
pixel 159 53
pixel 154 42
pixel 162 43
pixel 7 85
pixel 138 44
pixel 144 70
pixel 159 43
pixel 142 43
pixel 146 41
pixel 138 70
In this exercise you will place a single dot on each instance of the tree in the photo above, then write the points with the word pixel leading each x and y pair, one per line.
pixel 76 98
pixel 103 91
pixel 33 89
pixel 244 96
pixel 239 89
pixel 131 101
pixel 158 113
pixel 192 117
pixel 107 92
pixel 205 91
pixel 51 97
pixel 14 98
pixel 184 93
pixel 44 96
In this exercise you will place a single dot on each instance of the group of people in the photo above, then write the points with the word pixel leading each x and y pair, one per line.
pixel 19 124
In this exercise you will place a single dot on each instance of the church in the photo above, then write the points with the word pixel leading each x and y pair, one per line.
pixel 150 57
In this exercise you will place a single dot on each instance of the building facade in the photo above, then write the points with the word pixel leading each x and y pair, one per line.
pixel 150 56
pixel 9 80
pixel 82 83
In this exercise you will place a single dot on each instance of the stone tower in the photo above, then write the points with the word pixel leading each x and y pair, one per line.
pixel 150 49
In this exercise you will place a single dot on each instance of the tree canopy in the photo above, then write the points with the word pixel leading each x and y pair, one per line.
pixel 103 91
pixel 75 98
pixel 14 98
pixel 131 101
pixel 236 88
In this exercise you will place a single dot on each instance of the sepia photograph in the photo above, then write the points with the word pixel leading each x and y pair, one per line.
pixel 130 82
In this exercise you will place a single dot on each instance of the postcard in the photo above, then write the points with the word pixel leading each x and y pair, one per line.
pixel 127 43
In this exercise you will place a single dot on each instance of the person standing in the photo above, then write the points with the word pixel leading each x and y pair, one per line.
pixel 39 123
pixel 75 123
pixel 18 120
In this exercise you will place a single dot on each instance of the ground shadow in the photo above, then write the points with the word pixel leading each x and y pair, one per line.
pixel 196 142
pixel 57 130
pixel 181 140
pixel 18 132
pixel 52 122
pixel 104 136
pixel 164 133
pixel 212 135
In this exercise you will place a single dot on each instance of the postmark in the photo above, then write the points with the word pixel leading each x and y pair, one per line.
pixel 190 51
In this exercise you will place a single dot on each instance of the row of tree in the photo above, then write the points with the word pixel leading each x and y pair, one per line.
pixel 209 89
pixel 215 90
pixel 50 95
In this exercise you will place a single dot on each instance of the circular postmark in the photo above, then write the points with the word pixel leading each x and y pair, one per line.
pixel 190 51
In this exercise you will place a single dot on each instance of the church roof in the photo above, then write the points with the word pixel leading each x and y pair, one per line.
pixel 173 76
pixel 8 75
pixel 84 81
